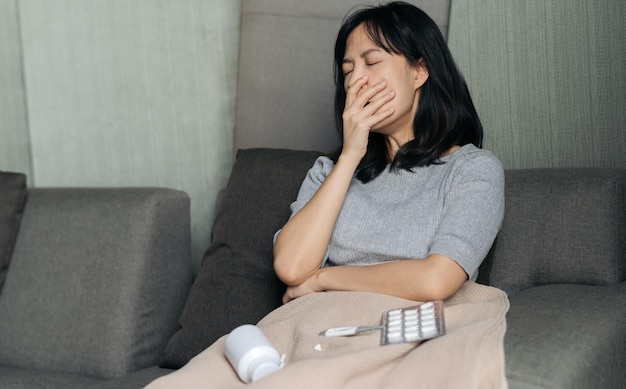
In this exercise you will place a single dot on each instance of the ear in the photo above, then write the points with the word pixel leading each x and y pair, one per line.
pixel 421 74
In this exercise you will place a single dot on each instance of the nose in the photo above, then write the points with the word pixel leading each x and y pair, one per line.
pixel 359 71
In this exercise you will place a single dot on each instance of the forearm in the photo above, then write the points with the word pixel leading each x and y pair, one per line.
pixel 433 278
pixel 303 241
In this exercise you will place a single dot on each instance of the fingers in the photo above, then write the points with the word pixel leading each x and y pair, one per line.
pixel 294 292
pixel 376 102
pixel 356 85
pixel 353 90
pixel 359 93
pixel 288 295
pixel 366 107
pixel 362 111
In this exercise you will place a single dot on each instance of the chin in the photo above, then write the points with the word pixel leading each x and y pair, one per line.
pixel 381 126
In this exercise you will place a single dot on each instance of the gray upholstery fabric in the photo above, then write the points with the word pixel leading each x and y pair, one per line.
pixel 138 379
pixel 561 226
pixel 12 197
pixel 285 87
pixel 236 283
pixel 97 282
pixel 16 378
pixel 567 336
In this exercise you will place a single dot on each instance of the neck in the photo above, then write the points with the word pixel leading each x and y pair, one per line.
pixel 394 143
pixel 393 147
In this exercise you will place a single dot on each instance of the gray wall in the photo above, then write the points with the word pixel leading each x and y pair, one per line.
pixel 14 136
pixel 121 93
pixel 548 78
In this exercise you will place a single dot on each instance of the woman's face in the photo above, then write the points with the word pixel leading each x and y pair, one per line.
pixel 364 58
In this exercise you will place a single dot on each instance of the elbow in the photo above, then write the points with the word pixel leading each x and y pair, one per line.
pixel 288 271
pixel 294 267
pixel 443 279
pixel 439 290
pixel 287 274
pixel 284 268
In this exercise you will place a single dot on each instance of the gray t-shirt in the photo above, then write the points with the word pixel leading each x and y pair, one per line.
pixel 453 209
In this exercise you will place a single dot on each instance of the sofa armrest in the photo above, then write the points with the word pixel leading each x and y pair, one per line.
pixel 567 336
pixel 561 226
pixel 97 281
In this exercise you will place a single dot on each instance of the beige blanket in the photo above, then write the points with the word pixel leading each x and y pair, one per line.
pixel 469 355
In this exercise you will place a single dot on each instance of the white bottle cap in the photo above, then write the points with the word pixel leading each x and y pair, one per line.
pixel 262 366
pixel 251 353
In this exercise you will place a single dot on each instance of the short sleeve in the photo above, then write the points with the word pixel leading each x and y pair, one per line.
pixel 313 180
pixel 311 183
pixel 473 211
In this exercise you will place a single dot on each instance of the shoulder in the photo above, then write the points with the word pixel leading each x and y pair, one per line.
pixel 473 155
pixel 470 160
pixel 321 168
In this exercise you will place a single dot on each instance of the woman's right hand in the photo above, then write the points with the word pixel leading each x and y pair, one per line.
pixel 361 113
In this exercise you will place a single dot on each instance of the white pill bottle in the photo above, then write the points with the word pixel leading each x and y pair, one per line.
pixel 251 354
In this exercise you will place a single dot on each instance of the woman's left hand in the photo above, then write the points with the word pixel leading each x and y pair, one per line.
pixel 293 292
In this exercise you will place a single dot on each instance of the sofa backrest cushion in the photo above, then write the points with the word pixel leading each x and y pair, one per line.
pixel 97 281
pixel 561 226
pixel 12 198
pixel 236 283
pixel 285 82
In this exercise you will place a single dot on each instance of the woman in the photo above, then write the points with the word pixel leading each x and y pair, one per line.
pixel 410 193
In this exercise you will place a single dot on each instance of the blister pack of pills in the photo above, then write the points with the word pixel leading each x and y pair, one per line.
pixel 403 325
pixel 413 324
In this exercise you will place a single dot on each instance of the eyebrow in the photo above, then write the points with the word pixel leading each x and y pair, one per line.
pixel 363 54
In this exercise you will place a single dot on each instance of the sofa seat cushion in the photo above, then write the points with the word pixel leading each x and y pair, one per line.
pixel 17 378
pixel 236 283
pixel 12 197
pixel 567 336
pixel 138 379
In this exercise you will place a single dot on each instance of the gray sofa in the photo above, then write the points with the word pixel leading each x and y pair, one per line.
pixel 95 284
pixel 560 256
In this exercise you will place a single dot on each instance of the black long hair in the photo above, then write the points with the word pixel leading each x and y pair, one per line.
pixel 445 116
